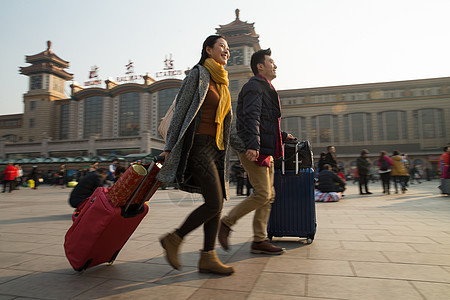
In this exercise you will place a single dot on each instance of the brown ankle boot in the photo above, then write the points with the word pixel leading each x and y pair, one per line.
pixel 222 236
pixel 210 263
pixel 171 243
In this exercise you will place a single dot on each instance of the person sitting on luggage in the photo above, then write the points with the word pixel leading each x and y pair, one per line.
pixel 87 186
pixel 329 181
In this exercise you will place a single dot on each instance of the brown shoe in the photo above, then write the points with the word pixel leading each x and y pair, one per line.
pixel 224 232
pixel 171 243
pixel 265 247
pixel 210 263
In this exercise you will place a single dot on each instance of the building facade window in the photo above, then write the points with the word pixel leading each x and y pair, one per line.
pixel 165 98
pixel 429 123
pixel 295 126
pixel 392 125
pixel 32 105
pixel 358 127
pixel 324 129
pixel 93 116
pixel 31 123
pixel 64 122
pixel 129 109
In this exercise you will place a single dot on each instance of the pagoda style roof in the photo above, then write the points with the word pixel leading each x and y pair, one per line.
pixel 239 33
pixel 46 62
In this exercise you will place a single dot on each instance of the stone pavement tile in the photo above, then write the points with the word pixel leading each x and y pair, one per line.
pixel 348 255
pixel 308 266
pixel 336 225
pixel 433 291
pixel 7 259
pixel 218 294
pixel 18 247
pixel 49 249
pixel 35 238
pixel 243 254
pixel 142 254
pixel 425 248
pixel 341 237
pixel 121 289
pixel 129 271
pixel 6 297
pixel 281 284
pixel 323 244
pixel 274 295
pixel 188 276
pixel 357 288
pixel 9 274
pixel 401 239
pixel 49 285
pixel 424 233
pixel 242 280
pixel 30 230
pixel 401 271
pixel 367 232
pixel 441 239
pixel 386 227
pixel 418 258
pixel 49 264
pixel 377 246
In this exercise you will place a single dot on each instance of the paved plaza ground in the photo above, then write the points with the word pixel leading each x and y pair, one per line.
pixel 366 247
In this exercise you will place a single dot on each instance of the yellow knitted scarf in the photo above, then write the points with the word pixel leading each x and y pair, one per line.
pixel 220 76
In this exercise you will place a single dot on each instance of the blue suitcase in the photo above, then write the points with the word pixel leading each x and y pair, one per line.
pixel 293 212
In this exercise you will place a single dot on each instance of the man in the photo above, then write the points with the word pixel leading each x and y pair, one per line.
pixel 363 164
pixel 329 181
pixel 258 125
pixel 9 175
pixel 331 159
pixel 87 186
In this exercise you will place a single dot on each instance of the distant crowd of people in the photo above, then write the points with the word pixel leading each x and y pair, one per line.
pixel 395 168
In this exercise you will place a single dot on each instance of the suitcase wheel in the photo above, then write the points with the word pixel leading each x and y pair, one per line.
pixel 309 241
pixel 113 258
pixel 86 265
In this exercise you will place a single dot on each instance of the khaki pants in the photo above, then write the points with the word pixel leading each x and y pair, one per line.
pixel 260 200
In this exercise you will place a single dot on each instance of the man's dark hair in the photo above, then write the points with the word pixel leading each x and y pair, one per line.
pixel 329 147
pixel 102 171
pixel 445 148
pixel 259 57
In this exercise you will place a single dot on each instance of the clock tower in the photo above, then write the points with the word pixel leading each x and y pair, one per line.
pixel 243 42
pixel 47 79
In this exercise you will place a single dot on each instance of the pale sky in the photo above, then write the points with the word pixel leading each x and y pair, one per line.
pixel 315 43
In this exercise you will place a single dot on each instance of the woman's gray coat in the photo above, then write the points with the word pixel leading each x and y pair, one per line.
pixel 182 130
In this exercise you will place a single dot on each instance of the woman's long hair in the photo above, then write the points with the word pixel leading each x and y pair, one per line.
pixel 382 154
pixel 209 42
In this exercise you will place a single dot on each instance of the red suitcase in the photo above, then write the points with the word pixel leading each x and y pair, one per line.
pixel 100 229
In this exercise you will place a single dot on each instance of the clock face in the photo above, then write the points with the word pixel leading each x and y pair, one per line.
pixel 36 82
pixel 236 57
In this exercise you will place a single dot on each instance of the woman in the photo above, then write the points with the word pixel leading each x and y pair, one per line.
pixel 331 159
pixel 398 171
pixel 385 165
pixel 196 148
pixel 93 167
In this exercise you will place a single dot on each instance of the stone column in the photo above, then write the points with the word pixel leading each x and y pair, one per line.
pixel 145 141
pixel 91 145
pixel 44 145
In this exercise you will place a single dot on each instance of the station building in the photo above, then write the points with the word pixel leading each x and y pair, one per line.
pixel 412 116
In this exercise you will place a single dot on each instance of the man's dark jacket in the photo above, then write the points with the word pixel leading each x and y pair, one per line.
pixel 85 188
pixel 258 110
pixel 363 164
pixel 328 180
